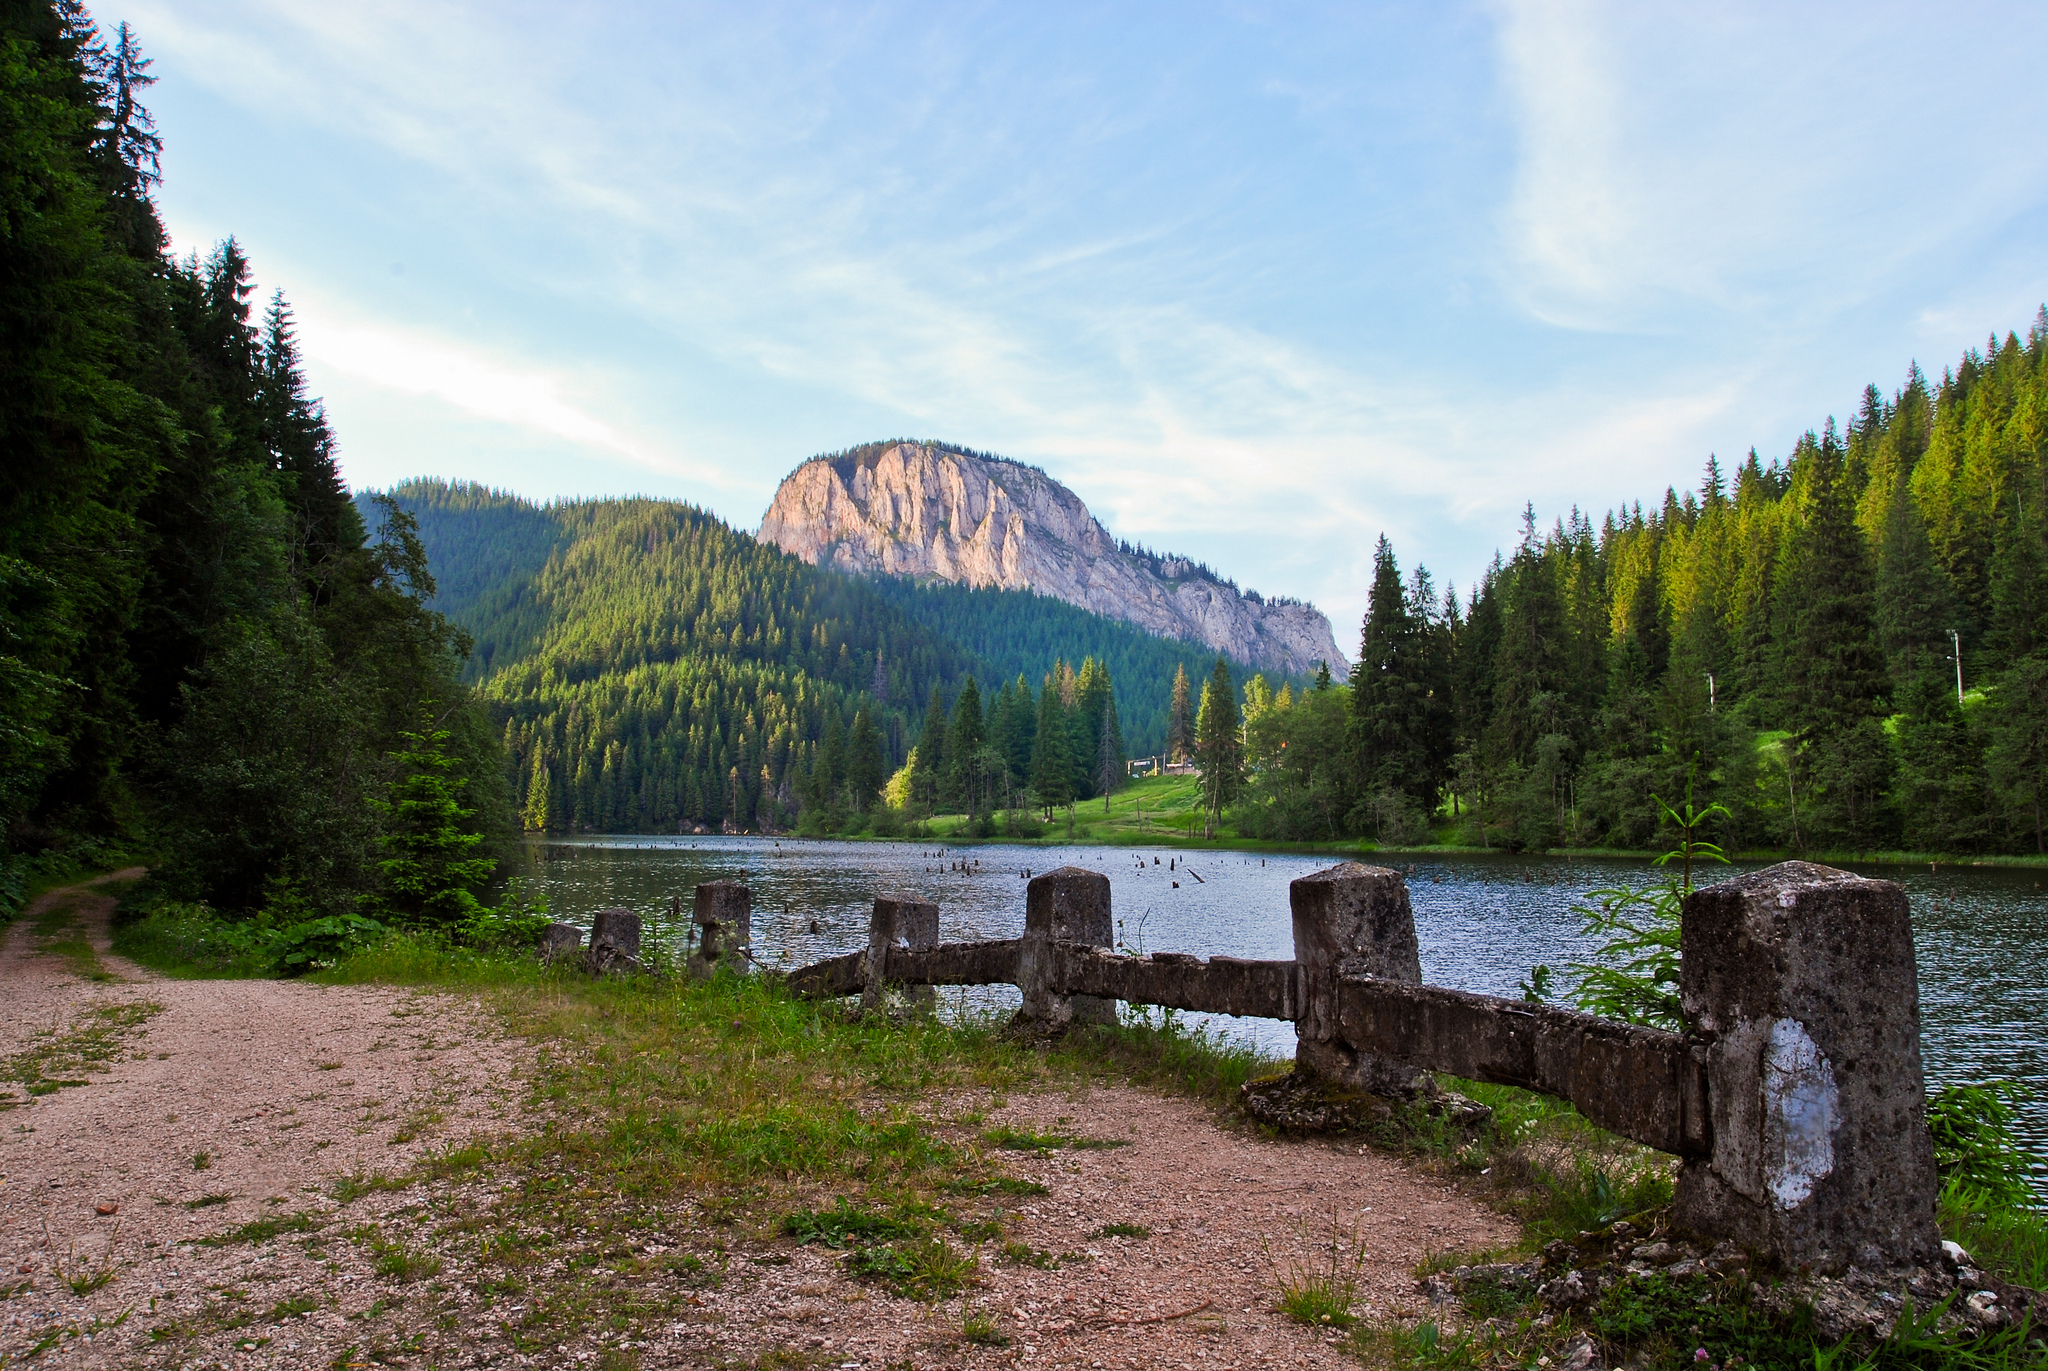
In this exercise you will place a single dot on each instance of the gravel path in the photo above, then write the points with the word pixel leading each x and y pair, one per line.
pixel 283 1089
pixel 199 1106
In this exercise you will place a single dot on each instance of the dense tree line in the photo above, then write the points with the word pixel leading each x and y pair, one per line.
pixel 651 666
pixel 1016 632
pixel 1021 751
pixel 1788 640
pixel 203 651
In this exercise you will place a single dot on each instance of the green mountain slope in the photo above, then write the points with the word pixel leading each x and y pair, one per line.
pixel 650 665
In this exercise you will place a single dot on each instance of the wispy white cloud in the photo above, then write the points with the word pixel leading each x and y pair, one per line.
pixel 485 387
pixel 1249 302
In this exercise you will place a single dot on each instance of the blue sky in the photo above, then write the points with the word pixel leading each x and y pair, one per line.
pixel 1258 282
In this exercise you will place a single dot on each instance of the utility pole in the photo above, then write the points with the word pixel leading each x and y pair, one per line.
pixel 1957 639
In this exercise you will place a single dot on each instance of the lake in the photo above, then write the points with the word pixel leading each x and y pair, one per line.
pixel 1483 921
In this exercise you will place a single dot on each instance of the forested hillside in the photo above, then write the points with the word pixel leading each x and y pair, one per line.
pixel 1782 636
pixel 1017 634
pixel 654 666
pixel 203 652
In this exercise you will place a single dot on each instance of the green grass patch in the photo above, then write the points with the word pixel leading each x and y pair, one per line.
pixel 264 1229
pixel 2008 1240
pixel 1122 1230
pixel 927 1269
pixel 845 1226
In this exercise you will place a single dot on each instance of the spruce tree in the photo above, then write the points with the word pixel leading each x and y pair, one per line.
pixel 1390 693
pixel 432 872
pixel 1832 668
pixel 1219 749
pixel 963 751
pixel 1914 608
pixel 1052 770
pixel 1180 718
pixel 865 768
pixel 928 763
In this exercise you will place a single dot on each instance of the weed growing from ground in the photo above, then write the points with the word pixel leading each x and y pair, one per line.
pixel 1320 1291
pixel 978 1326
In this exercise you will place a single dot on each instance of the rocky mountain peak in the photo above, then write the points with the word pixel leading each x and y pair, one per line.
pixel 931 510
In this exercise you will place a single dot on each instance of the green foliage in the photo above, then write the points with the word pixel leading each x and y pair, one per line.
pixel 1976 1146
pixel 1636 976
pixel 1016 632
pixel 845 1225
pixel 2010 1240
pixel 430 870
pixel 202 650
pixel 1219 747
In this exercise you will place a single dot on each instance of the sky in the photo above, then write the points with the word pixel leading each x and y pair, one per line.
pixel 1258 282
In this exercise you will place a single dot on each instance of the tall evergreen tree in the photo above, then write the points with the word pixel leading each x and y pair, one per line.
pixel 1180 719
pixel 1052 770
pixel 1218 747
pixel 963 752
pixel 1914 609
pixel 1390 693
pixel 865 768
pixel 1833 671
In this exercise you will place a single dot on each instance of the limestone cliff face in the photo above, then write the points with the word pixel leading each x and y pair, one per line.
pixel 910 509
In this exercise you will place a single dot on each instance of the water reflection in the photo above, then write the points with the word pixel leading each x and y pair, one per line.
pixel 1982 932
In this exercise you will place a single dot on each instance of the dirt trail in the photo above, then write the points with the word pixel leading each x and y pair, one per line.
pixel 284 1088
pixel 188 1107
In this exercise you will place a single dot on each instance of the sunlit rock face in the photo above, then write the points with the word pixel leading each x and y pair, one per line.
pixel 910 509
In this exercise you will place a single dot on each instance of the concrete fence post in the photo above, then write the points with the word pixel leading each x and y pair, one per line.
pixel 723 912
pixel 1351 918
pixel 614 943
pixel 1064 906
pixel 1799 986
pixel 560 942
pixel 900 919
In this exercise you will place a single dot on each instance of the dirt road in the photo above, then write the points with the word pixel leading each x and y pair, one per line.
pixel 188 1168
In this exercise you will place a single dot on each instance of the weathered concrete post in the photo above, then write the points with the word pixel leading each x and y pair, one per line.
pixel 1351 918
pixel 1064 906
pixel 900 919
pixel 1800 986
pixel 560 942
pixel 724 914
pixel 614 943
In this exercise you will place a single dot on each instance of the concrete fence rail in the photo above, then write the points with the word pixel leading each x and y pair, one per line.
pixel 1794 1098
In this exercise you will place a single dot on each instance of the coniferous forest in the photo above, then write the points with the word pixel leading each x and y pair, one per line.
pixel 309 706
pixel 204 650
pixel 653 667
pixel 1845 649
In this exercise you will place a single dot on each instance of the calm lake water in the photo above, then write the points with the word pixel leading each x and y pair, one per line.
pixel 1982 932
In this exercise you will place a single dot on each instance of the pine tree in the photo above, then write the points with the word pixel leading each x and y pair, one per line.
pixel 928 770
pixel 1914 609
pixel 1833 672
pixel 963 751
pixel 1180 718
pixel 1218 747
pixel 1109 752
pixel 1392 700
pixel 865 768
pixel 432 871
pixel 1021 729
pixel 1052 770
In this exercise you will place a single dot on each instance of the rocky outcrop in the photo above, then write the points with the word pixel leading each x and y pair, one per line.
pixel 914 509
